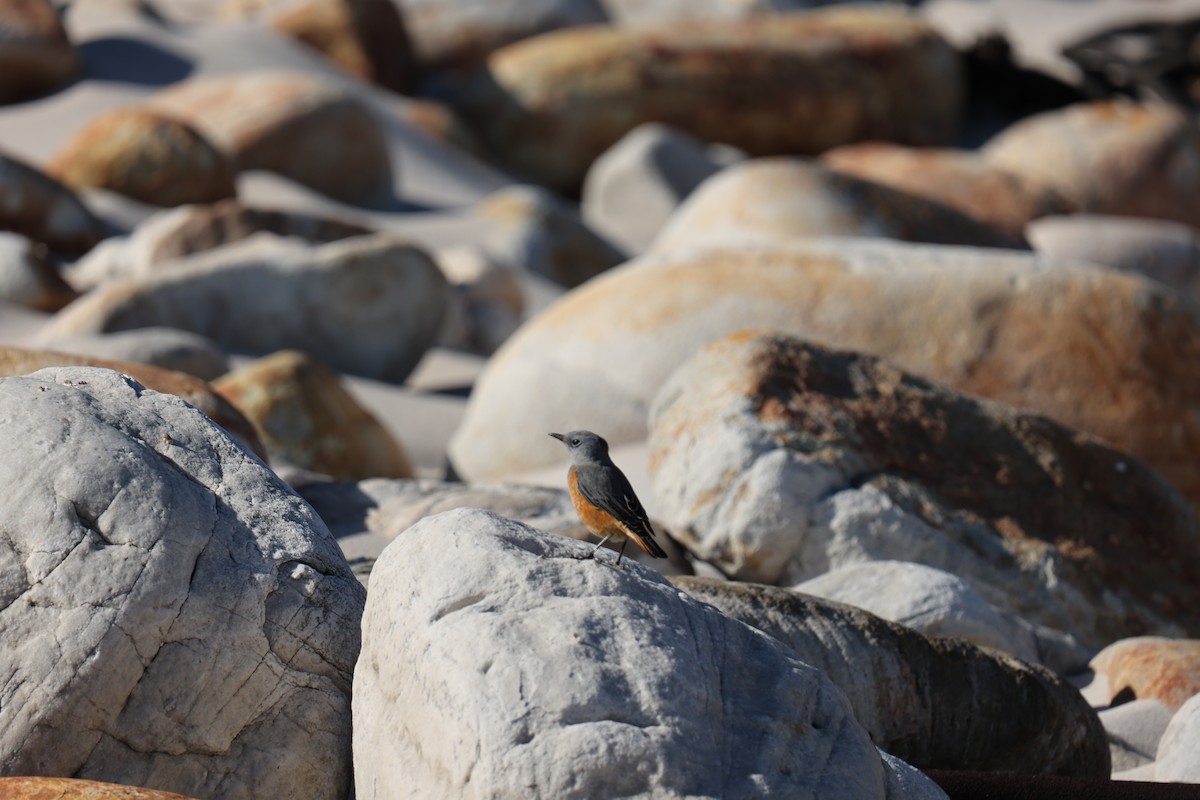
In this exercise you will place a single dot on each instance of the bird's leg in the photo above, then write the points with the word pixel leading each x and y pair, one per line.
pixel 622 551
pixel 597 547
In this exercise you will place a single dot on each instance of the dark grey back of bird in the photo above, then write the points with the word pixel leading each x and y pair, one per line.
pixel 607 488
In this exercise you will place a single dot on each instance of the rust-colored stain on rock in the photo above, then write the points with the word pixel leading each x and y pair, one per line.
pixel 40 788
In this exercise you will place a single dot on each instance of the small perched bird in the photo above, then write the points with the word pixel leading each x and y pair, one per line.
pixel 602 496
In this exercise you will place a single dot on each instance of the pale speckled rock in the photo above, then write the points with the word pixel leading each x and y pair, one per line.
pixel 367 38
pixel 1151 667
pixel 795 83
pixel 936 703
pixel 167 348
pixel 1165 251
pixel 28 277
pixel 533 231
pixel 37 206
pixel 781 199
pixel 542 690
pixel 306 418
pixel 35 54
pixel 147 156
pixel 1176 757
pixel 1004 325
pixel 778 460
pixel 75 789
pixel 960 179
pixel 292 123
pixel 1110 157
pixel 925 599
pixel 632 188
pixel 265 294
pixel 457 33
pixel 179 232
pixel 173 615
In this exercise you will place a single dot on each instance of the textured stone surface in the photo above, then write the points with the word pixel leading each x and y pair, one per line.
pixel 291 123
pixel 632 188
pixel 940 703
pixel 960 179
pixel 1179 744
pixel 777 460
pixel 37 206
pixel 1134 730
pixel 1107 353
pixel 487 300
pixel 35 54
pixel 28 277
pixel 370 305
pixel 173 615
pixel 180 232
pixel 799 83
pixel 74 789
pixel 925 599
pixel 306 418
pixel 1152 667
pixel 789 198
pixel 458 33
pixel 21 361
pixel 643 12
pixel 551 674
pixel 1112 157
pixel 147 156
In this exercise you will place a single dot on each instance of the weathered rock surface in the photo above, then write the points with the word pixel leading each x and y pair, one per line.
pixel 960 179
pixel 1179 744
pixel 934 702
pixel 291 123
pixel 74 789
pixel 797 83
pixel 1151 667
pixel 307 419
pixel 782 199
pixel 170 235
pixel 367 38
pixel 1107 353
pixel 487 300
pixel 369 306
pixel 632 188
pixel 172 615
pixel 28 277
pixel 37 206
pixel 147 156
pixel 1165 251
pixel 35 54
pixel 1134 730
pixel 930 601
pixel 552 675
pixel 533 231
pixel 1110 157
pixel 778 460
pixel 22 361
pixel 654 12
pixel 168 348
pixel 458 33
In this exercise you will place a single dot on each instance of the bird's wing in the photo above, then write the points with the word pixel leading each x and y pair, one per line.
pixel 607 488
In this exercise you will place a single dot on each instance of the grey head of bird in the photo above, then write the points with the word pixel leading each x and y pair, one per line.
pixel 585 447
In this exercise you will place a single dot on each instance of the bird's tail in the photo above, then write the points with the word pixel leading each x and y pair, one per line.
pixel 647 543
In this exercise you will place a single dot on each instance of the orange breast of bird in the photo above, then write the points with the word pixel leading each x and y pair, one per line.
pixel 597 520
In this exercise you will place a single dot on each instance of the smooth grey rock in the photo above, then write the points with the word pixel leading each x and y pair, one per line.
pixel 486 303
pixel 632 189
pixel 169 348
pixel 28 277
pixel 369 305
pixel 1134 730
pixel 937 703
pixel 1179 744
pixel 925 599
pixel 172 614
pixel 500 661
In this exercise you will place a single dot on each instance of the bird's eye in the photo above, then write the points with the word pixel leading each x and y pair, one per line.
pixel 575 442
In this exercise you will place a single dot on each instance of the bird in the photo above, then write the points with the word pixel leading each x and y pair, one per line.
pixel 602 496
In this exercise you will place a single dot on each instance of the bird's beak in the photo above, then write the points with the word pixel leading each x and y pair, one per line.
pixel 558 436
